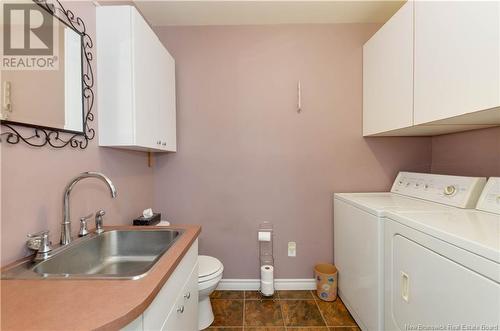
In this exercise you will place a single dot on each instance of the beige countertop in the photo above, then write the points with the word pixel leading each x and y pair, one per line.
pixel 61 304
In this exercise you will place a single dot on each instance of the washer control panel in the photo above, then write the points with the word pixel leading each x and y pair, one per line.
pixel 490 198
pixel 457 191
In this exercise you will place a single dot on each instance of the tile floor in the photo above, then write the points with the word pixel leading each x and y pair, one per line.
pixel 287 310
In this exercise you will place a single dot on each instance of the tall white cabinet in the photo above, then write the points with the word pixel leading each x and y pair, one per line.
pixel 136 83
pixel 433 68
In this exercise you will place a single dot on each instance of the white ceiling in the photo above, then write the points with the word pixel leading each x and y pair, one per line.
pixel 236 12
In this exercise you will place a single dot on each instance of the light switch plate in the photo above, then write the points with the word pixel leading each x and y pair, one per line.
pixel 292 248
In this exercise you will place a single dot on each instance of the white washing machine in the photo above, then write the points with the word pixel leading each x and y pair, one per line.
pixel 359 234
pixel 442 268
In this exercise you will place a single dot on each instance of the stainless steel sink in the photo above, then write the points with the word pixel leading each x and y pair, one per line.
pixel 120 254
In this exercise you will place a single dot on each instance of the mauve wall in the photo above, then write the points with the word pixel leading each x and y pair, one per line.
pixel 245 155
pixel 471 153
pixel 33 180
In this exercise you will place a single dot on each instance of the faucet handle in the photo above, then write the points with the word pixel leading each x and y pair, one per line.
pixel 39 242
pixel 38 235
pixel 35 239
pixel 85 218
pixel 83 225
pixel 98 221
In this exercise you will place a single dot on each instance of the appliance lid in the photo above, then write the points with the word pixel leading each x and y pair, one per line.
pixel 377 203
pixel 475 231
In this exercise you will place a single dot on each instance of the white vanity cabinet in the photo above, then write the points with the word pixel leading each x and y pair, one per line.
pixel 433 68
pixel 175 308
pixel 136 83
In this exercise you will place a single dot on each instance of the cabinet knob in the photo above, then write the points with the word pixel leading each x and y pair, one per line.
pixel 180 310
pixel 187 295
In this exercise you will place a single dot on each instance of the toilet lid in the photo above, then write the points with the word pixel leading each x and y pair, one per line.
pixel 207 266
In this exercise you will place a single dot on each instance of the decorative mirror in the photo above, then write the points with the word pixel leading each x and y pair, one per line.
pixel 46 80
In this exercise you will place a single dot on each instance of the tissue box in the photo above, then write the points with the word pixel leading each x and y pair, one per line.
pixel 153 220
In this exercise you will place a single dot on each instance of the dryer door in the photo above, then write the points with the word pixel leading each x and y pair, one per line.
pixel 426 289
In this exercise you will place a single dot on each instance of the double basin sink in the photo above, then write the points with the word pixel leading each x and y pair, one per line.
pixel 113 254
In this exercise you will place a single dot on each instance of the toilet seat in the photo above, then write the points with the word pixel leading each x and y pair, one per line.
pixel 208 268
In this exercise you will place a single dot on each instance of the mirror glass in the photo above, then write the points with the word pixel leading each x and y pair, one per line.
pixel 42 78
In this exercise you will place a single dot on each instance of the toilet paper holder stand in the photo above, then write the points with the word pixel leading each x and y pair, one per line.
pixel 266 257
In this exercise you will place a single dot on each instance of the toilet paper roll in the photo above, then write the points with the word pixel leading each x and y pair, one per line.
pixel 267 288
pixel 267 273
pixel 264 236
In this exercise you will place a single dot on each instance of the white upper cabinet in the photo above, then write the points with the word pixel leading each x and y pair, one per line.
pixel 433 68
pixel 136 83
pixel 457 58
pixel 388 75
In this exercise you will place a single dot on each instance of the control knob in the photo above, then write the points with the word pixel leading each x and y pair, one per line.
pixel 450 190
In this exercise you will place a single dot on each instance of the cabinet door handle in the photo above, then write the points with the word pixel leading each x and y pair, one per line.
pixel 187 295
pixel 180 310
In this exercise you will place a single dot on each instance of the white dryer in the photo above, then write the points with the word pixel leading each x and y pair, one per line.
pixel 359 234
pixel 442 268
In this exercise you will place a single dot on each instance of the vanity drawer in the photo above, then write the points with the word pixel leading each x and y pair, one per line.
pixel 184 314
pixel 155 315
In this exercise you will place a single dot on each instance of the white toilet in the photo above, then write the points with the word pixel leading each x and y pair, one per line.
pixel 209 275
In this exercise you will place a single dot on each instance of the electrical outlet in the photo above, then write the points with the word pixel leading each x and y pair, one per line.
pixel 292 248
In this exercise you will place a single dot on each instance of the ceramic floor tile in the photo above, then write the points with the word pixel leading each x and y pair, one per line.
pixel 227 312
pixel 227 295
pixel 344 328
pixel 301 313
pixel 255 295
pixel 219 328
pixel 263 313
pixel 308 328
pixel 300 295
pixel 265 328
pixel 335 313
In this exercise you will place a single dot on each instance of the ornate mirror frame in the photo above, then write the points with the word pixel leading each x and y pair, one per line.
pixel 59 138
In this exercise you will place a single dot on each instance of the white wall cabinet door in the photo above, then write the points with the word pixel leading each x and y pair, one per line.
pixel 166 108
pixel 136 83
pixel 457 58
pixel 145 80
pixel 388 75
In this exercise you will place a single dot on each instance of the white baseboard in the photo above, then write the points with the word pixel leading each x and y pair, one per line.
pixel 279 284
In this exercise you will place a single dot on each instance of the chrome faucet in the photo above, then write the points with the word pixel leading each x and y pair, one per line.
pixel 98 221
pixel 66 224
pixel 39 242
